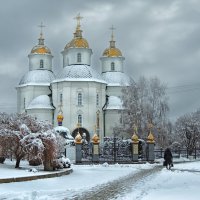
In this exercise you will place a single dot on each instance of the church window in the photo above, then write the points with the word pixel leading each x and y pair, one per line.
pixel 112 66
pixel 41 64
pixel 61 99
pixel 78 57
pixel 80 120
pixel 80 99
pixel 24 103
pixel 97 99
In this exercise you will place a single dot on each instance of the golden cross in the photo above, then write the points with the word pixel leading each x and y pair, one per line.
pixel 41 27
pixel 78 18
pixel 112 29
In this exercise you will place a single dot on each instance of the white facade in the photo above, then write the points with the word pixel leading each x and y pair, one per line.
pixel 79 93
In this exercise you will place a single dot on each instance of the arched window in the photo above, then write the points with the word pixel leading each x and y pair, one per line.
pixel 24 103
pixel 97 99
pixel 80 99
pixel 61 99
pixel 80 120
pixel 41 64
pixel 78 57
pixel 112 66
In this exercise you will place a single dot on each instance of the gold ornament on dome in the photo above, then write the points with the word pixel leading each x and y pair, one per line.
pixel 60 118
pixel 95 139
pixel 134 138
pixel 150 138
pixel 78 139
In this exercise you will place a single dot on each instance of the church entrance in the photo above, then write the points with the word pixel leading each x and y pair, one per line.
pixel 83 132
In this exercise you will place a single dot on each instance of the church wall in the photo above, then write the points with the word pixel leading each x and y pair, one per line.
pixel 27 93
pixel 70 56
pixel 106 63
pixel 34 61
pixel 70 107
pixel 42 114
pixel 114 91
pixel 112 118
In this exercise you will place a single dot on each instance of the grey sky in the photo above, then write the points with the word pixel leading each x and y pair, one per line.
pixel 158 38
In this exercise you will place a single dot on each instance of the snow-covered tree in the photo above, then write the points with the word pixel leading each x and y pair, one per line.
pixel 145 102
pixel 24 137
pixel 187 130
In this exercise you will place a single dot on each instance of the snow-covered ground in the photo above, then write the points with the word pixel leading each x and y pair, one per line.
pixel 181 183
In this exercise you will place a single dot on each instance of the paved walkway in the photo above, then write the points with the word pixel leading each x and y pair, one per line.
pixel 117 187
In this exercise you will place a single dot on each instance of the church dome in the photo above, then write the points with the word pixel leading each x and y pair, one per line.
pixel 78 41
pixel 80 73
pixel 37 77
pixel 40 49
pixel 116 79
pixel 112 51
pixel 40 102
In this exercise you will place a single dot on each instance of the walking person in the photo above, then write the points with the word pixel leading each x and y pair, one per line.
pixel 168 159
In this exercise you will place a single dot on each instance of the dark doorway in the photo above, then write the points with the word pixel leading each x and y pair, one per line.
pixel 81 131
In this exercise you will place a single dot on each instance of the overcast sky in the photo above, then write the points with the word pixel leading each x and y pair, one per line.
pixel 157 38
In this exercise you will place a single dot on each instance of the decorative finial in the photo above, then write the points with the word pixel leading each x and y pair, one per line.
pixel 41 39
pixel 78 18
pixel 112 28
pixel 112 42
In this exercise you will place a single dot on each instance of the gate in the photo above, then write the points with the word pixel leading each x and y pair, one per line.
pixel 112 150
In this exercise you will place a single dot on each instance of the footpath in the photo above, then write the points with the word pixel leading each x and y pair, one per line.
pixel 116 187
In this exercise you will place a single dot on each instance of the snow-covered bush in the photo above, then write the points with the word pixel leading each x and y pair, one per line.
pixel 24 137
pixel 61 163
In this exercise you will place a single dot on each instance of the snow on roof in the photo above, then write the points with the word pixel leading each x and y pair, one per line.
pixel 37 77
pixel 40 102
pixel 79 73
pixel 114 103
pixel 116 78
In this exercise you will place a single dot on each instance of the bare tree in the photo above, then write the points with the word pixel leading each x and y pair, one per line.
pixel 187 130
pixel 145 102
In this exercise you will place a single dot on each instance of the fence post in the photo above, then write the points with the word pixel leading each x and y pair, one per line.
pixel 150 149
pixel 135 142
pixel 95 149
pixel 78 143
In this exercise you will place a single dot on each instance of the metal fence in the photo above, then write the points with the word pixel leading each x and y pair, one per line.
pixel 178 153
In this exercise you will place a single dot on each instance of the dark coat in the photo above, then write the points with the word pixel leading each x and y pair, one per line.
pixel 168 156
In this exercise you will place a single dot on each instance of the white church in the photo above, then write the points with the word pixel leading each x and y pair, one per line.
pixel 78 94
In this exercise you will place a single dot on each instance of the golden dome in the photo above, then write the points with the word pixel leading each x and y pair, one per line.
pixel 77 43
pixel 112 52
pixel 40 49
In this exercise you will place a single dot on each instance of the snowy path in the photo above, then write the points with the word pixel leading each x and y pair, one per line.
pixel 117 188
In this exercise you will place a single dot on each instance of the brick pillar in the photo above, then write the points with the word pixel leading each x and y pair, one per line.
pixel 95 149
pixel 150 147
pixel 135 142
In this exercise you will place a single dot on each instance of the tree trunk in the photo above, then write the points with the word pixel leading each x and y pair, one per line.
pixel 17 162
pixel 48 166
